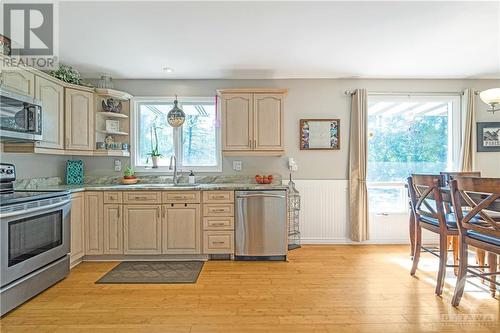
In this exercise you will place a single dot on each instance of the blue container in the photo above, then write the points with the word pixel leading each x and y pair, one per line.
pixel 74 172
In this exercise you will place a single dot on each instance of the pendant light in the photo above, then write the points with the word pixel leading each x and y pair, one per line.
pixel 176 116
pixel 492 98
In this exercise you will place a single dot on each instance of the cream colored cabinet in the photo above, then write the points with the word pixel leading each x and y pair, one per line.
pixel 237 122
pixel 252 121
pixel 142 229
pixel 268 122
pixel 218 222
pixel 94 230
pixel 19 81
pixel 77 227
pixel 113 229
pixel 181 228
pixel 51 95
pixel 79 119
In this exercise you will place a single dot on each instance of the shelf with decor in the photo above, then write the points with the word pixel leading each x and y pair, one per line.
pixel 112 123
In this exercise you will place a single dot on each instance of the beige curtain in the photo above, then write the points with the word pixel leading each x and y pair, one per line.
pixel 468 147
pixel 358 156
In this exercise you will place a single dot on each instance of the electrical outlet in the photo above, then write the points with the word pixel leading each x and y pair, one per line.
pixel 118 165
pixel 237 165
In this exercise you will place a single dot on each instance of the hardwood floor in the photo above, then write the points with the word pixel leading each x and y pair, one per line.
pixel 321 289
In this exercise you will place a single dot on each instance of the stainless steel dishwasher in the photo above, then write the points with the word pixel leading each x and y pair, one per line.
pixel 261 228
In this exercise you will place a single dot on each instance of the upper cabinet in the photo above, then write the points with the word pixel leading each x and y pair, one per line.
pixel 51 94
pixel 79 119
pixel 19 81
pixel 252 121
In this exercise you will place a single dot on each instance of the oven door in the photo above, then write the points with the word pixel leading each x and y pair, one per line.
pixel 33 238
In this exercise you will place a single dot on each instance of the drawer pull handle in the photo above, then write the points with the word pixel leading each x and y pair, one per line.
pixel 219 196
pixel 218 242
pixel 178 196
pixel 218 210
pixel 218 223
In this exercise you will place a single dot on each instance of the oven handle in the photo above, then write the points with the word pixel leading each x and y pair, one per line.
pixel 36 209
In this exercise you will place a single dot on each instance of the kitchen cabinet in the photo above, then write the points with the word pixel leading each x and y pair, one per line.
pixel 94 228
pixel 113 229
pixel 181 228
pixel 77 250
pixel 19 81
pixel 142 229
pixel 51 95
pixel 252 121
pixel 218 222
pixel 79 119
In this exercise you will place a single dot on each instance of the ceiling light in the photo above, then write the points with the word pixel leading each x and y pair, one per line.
pixel 168 69
pixel 492 98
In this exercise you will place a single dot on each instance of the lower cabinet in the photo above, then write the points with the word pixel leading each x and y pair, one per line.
pixel 181 228
pixel 77 227
pixel 141 229
pixel 113 229
pixel 94 237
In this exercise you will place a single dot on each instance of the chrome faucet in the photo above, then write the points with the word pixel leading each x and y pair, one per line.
pixel 173 165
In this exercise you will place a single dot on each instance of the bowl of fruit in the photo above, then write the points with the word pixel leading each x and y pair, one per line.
pixel 129 176
pixel 263 179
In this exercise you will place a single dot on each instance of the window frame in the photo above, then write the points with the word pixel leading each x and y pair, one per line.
pixel 455 122
pixel 177 136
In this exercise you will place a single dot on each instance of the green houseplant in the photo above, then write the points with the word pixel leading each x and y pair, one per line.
pixel 129 176
pixel 155 152
pixel 68 74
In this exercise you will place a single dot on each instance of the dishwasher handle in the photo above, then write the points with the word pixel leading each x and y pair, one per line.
pixel 260 195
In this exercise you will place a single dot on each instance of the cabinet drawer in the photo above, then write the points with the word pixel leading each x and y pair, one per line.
pixel 218 209
pixel 218 223
pixel 112 197
pixel 138 197
pixel 181 197
pixel 218 242
pixel 218 196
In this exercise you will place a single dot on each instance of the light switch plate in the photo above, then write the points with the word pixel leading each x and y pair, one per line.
pixel 237 165
pixel 118 165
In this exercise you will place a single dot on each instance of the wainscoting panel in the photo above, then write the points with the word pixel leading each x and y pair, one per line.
pixel 324 211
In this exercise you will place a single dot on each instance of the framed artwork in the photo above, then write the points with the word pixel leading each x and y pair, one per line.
pixel 488 137
pixel 319 134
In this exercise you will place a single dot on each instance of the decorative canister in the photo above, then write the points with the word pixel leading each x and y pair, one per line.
pixel 74 172
pixel 100 145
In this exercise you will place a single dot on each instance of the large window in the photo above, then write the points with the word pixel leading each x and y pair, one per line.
pixel 196 144
pixel 408 134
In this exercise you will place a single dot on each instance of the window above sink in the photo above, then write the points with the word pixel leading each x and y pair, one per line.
pixel 196 144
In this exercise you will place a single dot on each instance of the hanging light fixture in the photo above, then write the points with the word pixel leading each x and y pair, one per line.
pixel 176 116
pixel 492 98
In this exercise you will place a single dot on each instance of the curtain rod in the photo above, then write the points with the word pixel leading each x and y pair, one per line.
pixel 444 93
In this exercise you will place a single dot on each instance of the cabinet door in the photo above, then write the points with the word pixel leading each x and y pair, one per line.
pixel 141 229
pixel 181 229
pixel 79 119
pixel 268 122
pixel 113 229
pixel 52 97
pixel 237 121
pixel 77 227
pixel 94 223
pixel 19 81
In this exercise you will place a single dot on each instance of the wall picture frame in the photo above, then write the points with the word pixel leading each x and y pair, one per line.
pixel 488 136
pixel 319 134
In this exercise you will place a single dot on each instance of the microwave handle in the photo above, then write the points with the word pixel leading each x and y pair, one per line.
pixel 36 118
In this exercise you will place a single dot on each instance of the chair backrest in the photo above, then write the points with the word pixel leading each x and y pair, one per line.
pixel 450 175
pixel 426 197
pixel 482 195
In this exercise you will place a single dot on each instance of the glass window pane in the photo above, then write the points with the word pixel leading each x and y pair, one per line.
pixel 199 135
pixel 153 116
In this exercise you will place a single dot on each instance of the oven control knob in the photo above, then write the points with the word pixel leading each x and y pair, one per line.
pixel 10 171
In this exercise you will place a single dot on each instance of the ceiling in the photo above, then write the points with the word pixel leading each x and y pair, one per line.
pixel 281 39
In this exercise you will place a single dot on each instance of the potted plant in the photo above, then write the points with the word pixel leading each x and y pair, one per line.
pixel 129 176
pixel 155 152
pixel 68 74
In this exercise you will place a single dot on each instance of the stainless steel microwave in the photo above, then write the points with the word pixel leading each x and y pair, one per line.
pixel 20 117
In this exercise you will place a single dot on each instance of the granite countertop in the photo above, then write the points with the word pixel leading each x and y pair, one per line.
pixel 158 187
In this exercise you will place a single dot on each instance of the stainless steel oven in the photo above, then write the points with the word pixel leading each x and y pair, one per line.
pixel 20 117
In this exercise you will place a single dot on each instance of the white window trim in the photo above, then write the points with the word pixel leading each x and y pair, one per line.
pixel 134 138
pixel 454 122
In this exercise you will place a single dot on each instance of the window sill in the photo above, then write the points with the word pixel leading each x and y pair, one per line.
pixel 168 172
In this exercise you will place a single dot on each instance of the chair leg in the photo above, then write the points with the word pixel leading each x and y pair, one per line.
pixel 480 260
pixel 456 250
pixel 418 249
pixel 412 234
pixel 492 263
pixel 462 274
pixel 443 258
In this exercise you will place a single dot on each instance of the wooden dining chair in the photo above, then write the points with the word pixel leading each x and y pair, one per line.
pixel 429 212
pixel 479 227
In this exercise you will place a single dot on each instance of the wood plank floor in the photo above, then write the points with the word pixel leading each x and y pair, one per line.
pixel 321 289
